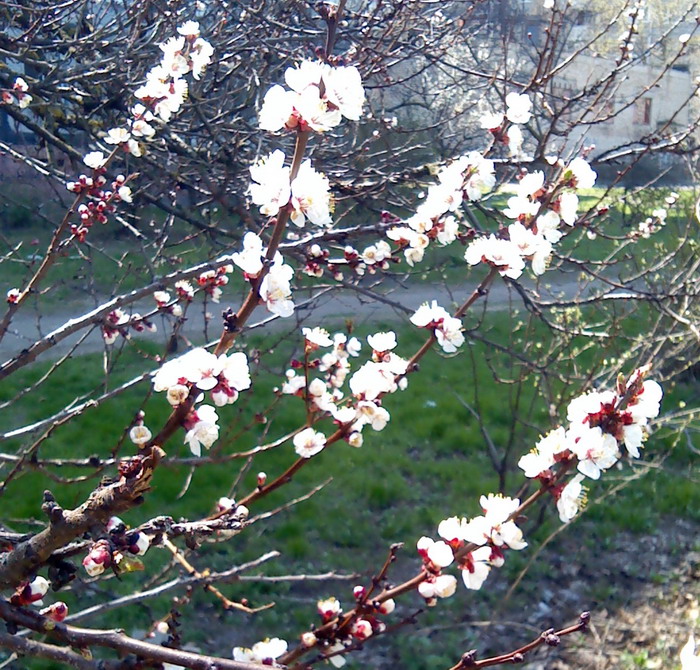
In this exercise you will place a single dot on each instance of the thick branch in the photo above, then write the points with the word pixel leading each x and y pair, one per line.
pixel 106 501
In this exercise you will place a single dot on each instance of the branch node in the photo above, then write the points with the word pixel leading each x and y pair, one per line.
pixel 468 659
pixel 230 320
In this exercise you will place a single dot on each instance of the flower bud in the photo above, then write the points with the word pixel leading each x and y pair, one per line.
pixel 359 592
pixel 361 629
pixel 427 590
pixel 57 612
pixel 242 512
pixel 99 558
pixel 308 640
pixel 328 608
pixel 115 525
pixel 262 478
pixel 30 592
pixel 551 639
pixel 177 394
pixel 139 543
pixel 225 504
pixel 387 607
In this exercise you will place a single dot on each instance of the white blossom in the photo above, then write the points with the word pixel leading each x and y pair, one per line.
pixel 596 450
pixel 476 568
pixel 205 430
pixel 310 197
pixel 570 499
pixel 308 442
pixel 382 341
pixel 140 435
pixel 518 108
pixel 568 208
pixel 270 189
pixel 583 174
pixel 94 159
pixel 543 456
pixel 264 652
pixel 275 288
pixel 117 136
pixel 317 336
pixel 250 258
pixel 501 254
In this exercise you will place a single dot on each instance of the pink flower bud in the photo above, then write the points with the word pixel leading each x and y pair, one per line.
pixel 99 558
pixel 328 608
pixel 359 592
pixel 225 504
pixel 387 607
pixel 139 543
pixel 262 478
pixel 56 612
pixel 30 592
pixel 361 629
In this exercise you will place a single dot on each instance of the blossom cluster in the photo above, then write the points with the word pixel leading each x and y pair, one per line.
pixel 118 322
pixel 319 95
pixel 372 258
pixel 353 401
pixel 190 376
pixel 362 627
pixel 117 550
pixel 17 95
pixel 446 328
pixel 165 89
pixel 537 209
pixel 466 178
pixel 477 545
pixel 275 289
pixel 101 200
pixel 160 97
pixel 32 593
pixel 307 195
pixel 332 644
pixel 212 281
pixel 166 306
pixel 657 220
pixel 602 426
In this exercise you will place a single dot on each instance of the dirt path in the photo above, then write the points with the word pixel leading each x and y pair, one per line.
pixel 331 308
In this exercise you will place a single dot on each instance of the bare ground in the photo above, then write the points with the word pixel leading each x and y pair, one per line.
pixel 643 597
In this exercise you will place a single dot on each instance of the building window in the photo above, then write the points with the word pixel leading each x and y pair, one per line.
pixel 642 111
